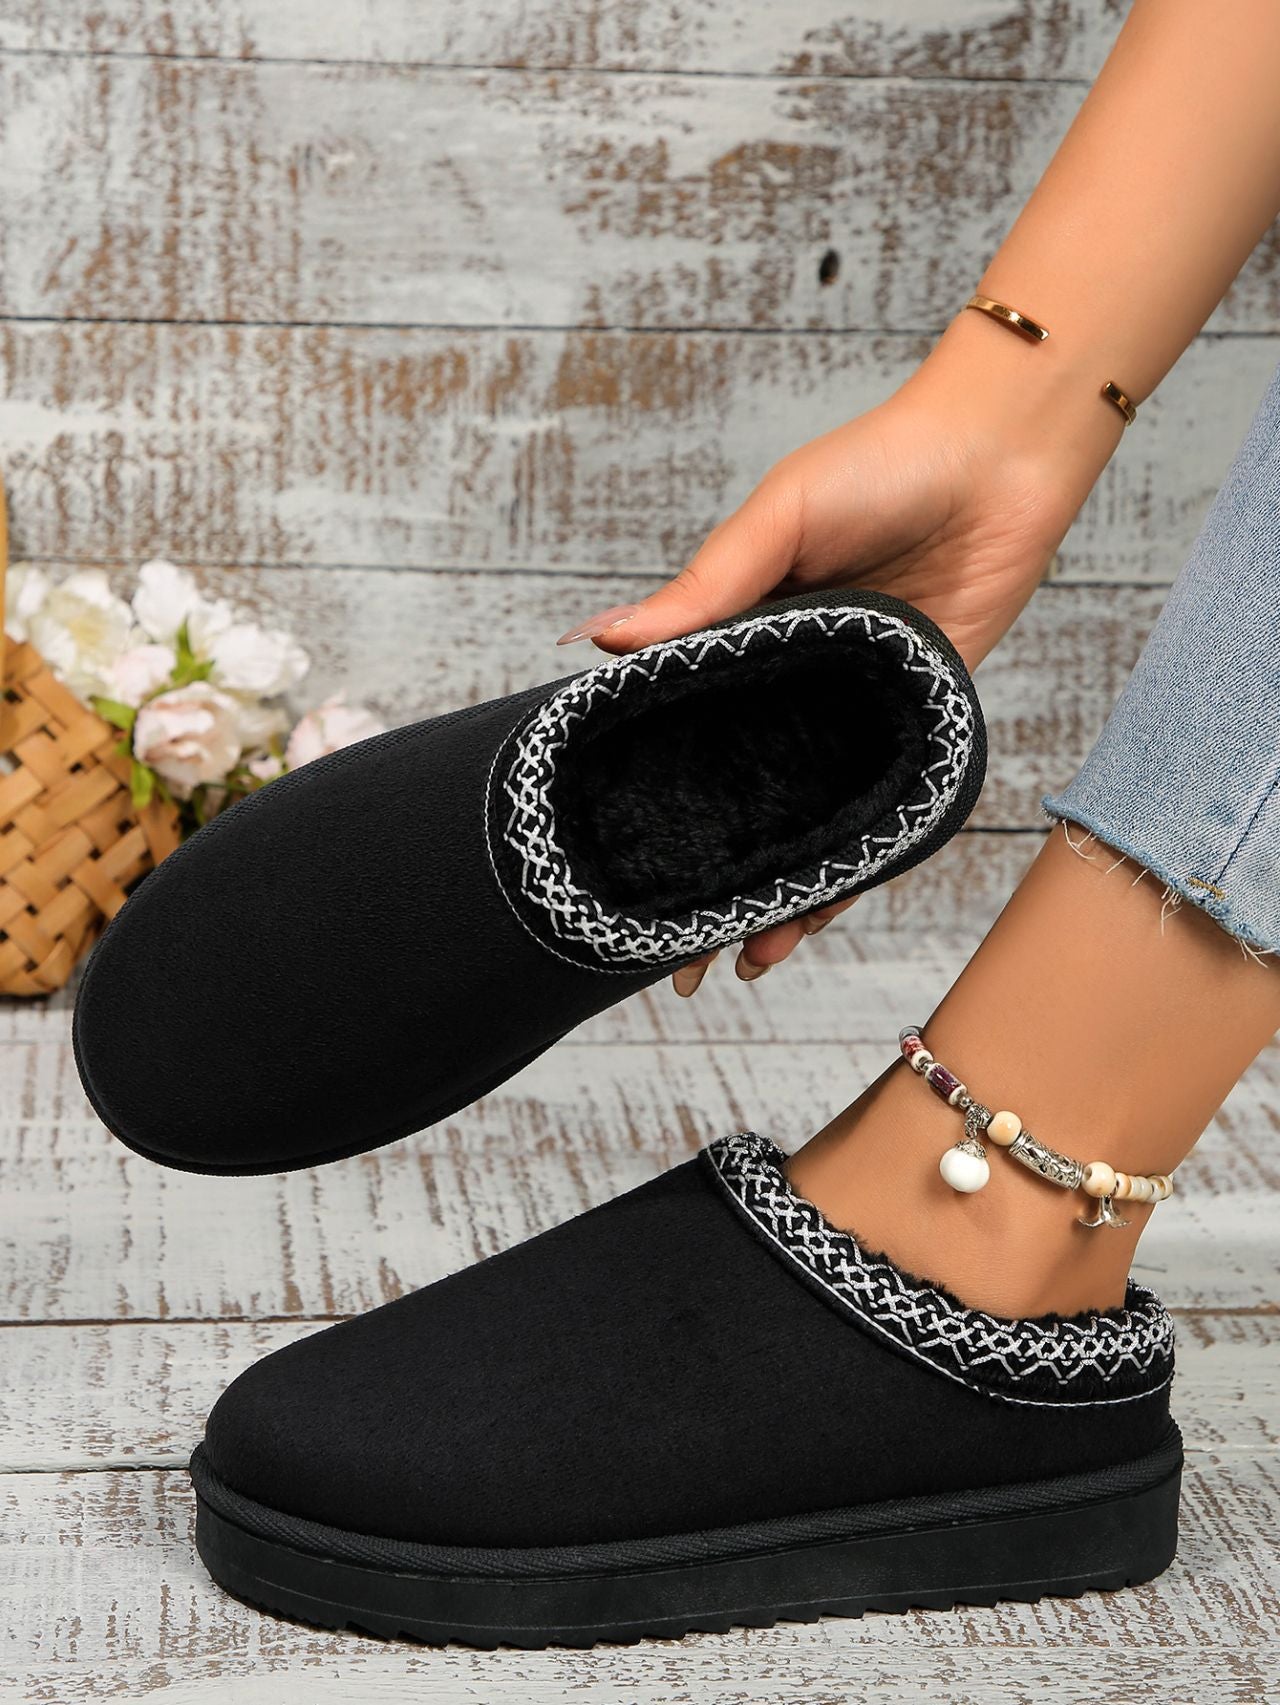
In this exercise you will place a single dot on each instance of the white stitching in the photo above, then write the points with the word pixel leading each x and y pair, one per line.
pixel 929 1326
pixel 603 970
pixel 575 915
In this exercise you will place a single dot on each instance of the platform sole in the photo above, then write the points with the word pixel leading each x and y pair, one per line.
pixel 907 1555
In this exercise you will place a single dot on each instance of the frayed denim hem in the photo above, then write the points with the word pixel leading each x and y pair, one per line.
pixel 1206 896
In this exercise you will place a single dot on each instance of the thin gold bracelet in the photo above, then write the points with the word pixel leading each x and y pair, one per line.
pixel 1009 317
pixel 1129 409
pixel 1036 333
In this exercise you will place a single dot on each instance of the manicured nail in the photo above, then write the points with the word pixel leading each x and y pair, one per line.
pixel 688 979
pixel 602 623
pixel 749 972
pixel 813 925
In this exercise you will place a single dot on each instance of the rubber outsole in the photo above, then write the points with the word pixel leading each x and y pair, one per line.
pixel 529 1600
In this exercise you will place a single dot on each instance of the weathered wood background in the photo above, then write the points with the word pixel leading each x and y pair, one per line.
pixel 426 329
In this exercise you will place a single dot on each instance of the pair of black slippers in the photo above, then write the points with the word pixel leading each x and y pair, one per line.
pixel 700 1405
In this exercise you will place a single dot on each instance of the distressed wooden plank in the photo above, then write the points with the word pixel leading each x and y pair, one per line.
pixel 120 1396
pixel 105 1579
pixel 831 38
pixel 136 1395
pixel 689 1672
pixel 457 639
pixel 395 448
pixel 142 188
pixel 107 1235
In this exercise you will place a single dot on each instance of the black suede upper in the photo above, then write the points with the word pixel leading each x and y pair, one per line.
pixel 380 937
pixel 660 1365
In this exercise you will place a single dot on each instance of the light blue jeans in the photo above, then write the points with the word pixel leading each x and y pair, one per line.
pixel 1185 777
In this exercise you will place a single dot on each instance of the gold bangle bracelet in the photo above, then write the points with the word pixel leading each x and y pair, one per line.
pixel 1036 333
pixel 1112 392
pixel 1009 317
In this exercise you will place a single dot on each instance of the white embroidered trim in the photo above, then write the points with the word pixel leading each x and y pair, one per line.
pixel 961 1341
pixel 546 877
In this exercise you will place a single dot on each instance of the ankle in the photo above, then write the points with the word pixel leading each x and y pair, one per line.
pixel 1015 1249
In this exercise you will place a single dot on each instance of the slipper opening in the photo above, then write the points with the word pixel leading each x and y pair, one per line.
pixel 707 781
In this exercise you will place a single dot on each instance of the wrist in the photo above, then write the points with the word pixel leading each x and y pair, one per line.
pixel 1034 409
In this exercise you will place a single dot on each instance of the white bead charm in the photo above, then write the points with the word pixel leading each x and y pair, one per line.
pixel 965 1168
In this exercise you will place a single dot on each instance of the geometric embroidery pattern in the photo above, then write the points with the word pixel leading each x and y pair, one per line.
pixel 576 915
pixel 1059 1359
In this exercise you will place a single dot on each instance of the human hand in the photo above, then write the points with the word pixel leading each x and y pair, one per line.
pixel 952 495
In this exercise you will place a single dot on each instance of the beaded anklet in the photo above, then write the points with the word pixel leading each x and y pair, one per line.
pixel 965 1167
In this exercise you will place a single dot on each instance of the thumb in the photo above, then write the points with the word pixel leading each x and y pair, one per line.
pixel 740 562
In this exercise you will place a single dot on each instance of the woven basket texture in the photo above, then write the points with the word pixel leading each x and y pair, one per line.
pixel 71 840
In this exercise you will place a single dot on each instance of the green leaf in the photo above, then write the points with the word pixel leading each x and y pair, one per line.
pixel 142 783
pixel 191 670
pixel 189 667
pixel 117 714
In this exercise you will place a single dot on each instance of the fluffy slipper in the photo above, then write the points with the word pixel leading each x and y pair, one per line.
pixel 697 1406
pixel 386 934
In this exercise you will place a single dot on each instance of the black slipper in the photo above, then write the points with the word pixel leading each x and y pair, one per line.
pixel 381 937
pixel 697 1406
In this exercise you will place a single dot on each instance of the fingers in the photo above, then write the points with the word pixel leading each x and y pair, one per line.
pixel 688 978
pixel 772 946
pixel 738 565
pixel 760 953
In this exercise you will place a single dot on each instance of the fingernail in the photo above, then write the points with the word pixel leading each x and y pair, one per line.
pixel 599 624
pixel 815 924
pixel 749 972
pixel 688 979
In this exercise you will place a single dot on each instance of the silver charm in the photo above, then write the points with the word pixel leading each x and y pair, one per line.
pixel 1040 1158
pixel 1106 1215
pixel 976 1119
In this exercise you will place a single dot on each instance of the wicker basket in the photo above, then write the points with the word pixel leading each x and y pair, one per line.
pixel 71 839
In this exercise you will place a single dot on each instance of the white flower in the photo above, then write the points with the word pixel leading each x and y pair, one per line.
pixel 262 661
pixel 81 627
pixel 27 589
pixel 189 736
pixel 333 725
pixel 207 618
pixel 167 597
pixel 164 599
pixel 139 672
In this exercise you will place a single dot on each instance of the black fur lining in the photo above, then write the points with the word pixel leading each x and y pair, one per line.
pixel 688 789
